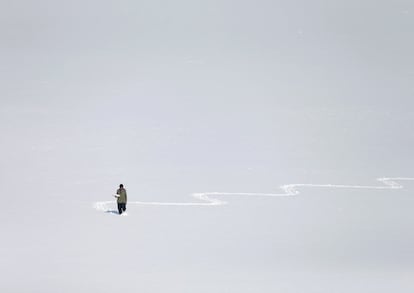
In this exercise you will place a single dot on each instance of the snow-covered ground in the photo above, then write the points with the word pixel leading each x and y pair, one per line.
pixel 253 139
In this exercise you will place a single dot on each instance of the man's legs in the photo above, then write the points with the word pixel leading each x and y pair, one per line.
pixel 120 208
pixel 124 207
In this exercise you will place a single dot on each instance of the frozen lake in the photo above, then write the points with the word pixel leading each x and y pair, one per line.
pixel 250 137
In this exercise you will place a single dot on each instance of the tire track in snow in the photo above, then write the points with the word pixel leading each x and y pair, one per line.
pixel 289 190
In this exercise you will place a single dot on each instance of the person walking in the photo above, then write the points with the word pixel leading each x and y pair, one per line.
pixel 121 195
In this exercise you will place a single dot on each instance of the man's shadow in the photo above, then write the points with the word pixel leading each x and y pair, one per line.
pixel 115 212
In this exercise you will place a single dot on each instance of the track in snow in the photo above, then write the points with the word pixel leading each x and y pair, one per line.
pixel 289 190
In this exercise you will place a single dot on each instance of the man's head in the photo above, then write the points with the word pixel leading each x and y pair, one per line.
pixel 121 186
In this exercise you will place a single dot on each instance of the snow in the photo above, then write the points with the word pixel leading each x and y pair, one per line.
pixel 210 198
pixel 265 146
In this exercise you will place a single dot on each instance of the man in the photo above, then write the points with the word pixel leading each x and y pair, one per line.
pixel 121 196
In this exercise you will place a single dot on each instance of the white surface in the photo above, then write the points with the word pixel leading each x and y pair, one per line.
pixel 221 99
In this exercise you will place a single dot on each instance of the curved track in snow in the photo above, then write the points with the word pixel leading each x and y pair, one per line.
pixel 289 190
